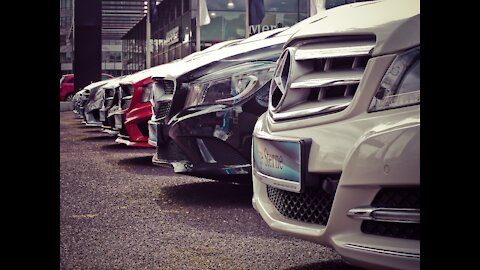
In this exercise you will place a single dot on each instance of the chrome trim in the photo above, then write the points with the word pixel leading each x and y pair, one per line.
pixel 383 251
pixel 334 50
pixel 309 112
pixel 399 215
pixel 325 79
pixel 277 77
pixel 323 83
pixel 206 155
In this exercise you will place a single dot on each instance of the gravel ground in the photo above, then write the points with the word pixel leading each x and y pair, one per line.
pixel 118 211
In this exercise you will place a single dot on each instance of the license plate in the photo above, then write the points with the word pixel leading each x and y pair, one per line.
pixel 279 162
pixel 152 133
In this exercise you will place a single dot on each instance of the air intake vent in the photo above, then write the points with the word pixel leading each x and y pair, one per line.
pixel 318 77
pixel 312 206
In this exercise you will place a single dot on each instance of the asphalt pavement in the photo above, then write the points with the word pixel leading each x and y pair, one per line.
pixel 118 211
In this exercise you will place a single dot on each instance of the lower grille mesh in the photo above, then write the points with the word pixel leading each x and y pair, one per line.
pixel 395 198
pixel 392 229
pixel 398 198
pixel 311 206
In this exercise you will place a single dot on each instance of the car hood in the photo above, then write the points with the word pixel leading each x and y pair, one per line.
pixel 112 83
pixel 95 84
pixel 146 73
pixel 395 23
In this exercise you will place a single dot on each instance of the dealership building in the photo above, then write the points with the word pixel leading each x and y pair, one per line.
pixel 171 28
pixel 174 35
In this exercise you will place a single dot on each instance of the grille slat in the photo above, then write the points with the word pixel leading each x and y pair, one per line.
pixel 161 108
pixel 326 70
pixel 311 206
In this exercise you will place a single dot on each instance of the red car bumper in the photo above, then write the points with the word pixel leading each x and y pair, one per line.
pixel 136 126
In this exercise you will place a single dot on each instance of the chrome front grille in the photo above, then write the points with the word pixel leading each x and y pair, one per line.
pixel 126 92
pixel 311 206
pixel 161 108
pixel 162 94
pixel 318 77
pixel 126 103
pixel 109 97
pixel 169 87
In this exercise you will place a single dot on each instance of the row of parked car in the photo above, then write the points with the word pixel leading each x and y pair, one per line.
pixel 322 117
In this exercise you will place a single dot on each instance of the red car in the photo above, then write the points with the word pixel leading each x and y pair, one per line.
pixel 136 109
pixel 66 86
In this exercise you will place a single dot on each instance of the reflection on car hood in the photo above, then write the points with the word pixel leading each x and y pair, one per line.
pixel 93 85
pixel 394 23
pixel 281 37
pixel 113 82
pixel 146 73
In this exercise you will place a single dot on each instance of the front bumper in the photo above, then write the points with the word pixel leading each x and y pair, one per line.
pixel 92 119
pixel 216 139
pixel 81 112
pixel 369 154
pixel 135 125
pixel 158 133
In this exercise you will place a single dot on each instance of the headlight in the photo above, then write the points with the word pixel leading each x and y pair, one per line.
pixel 230 85
pixel 400 86
pixel 147 91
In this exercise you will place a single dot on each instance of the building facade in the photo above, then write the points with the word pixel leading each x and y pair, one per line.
pixel 173 28
pixel 111 49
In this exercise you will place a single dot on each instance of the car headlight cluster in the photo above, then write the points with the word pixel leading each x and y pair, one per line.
pixel 400 85
pixel 231 85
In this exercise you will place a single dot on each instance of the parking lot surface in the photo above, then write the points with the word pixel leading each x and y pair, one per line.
pixel 118 211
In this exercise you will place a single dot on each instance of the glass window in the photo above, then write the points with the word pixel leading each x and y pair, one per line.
pixel 279 14
pixel 226 5
pixel 224 25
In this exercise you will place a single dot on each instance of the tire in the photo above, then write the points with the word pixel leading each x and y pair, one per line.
pixel 69 97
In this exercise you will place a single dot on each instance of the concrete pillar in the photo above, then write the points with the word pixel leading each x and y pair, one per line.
pixel 87 37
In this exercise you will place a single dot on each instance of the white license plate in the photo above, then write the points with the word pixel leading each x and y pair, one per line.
pixel 152 133
pixel 279 162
